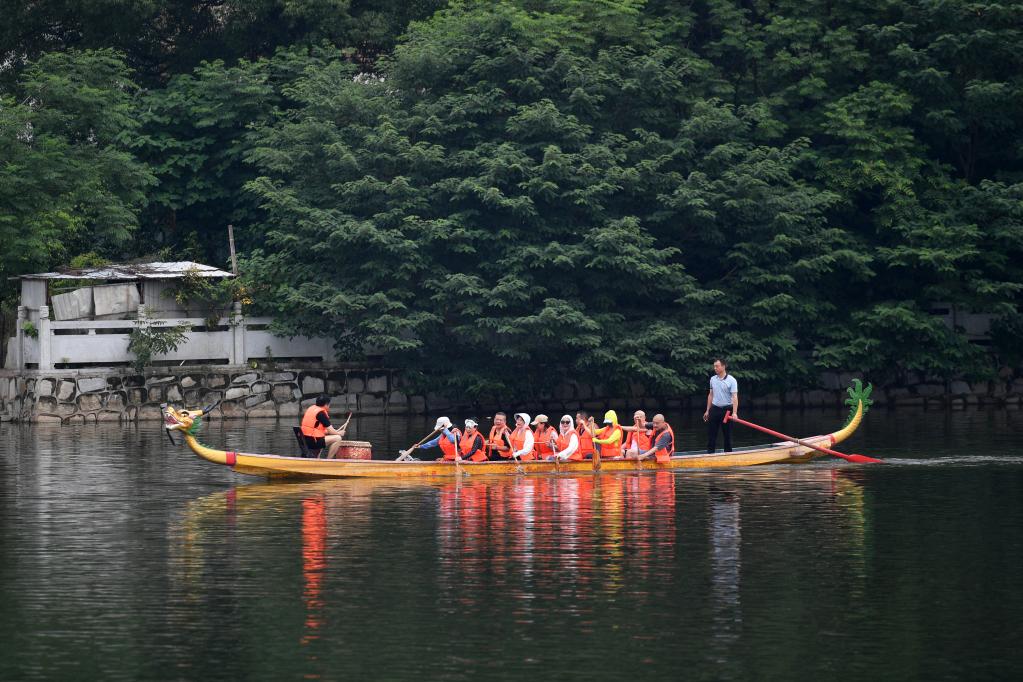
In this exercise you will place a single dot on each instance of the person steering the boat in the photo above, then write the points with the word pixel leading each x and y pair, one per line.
pixel 317 430
pixel 663 441
pixel 567 441
pixel 447 441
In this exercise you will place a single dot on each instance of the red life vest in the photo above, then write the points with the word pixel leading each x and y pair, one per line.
pixel 542 441
pixel 465 445
pixel 564 440
pixel 495 442
pixel 664 454
pixel 643 438
pixel 447 447
pixel 585 442
pixel 311 427
pixel 609 449
pixel 518 440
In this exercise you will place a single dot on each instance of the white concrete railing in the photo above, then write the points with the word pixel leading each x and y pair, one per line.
pixel 105 342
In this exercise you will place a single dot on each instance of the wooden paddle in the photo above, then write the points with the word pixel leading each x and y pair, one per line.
pixel 859 459
pixel 407 453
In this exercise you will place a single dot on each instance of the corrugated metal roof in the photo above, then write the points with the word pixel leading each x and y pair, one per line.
pixel 133 271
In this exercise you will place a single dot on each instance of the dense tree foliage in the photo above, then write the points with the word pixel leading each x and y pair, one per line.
pixel 499 196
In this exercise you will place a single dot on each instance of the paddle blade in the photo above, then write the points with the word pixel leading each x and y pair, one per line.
pixel 863 459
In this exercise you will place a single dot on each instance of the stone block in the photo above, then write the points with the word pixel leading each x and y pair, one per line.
pixel 830 381
pixel 108 416
pixel 288 410
pixel 76 305
pixel 397 403
pixel 246 379
pixel 260 387
pixel 376 383
pixel 154 394
pixel 46 419
pixel 149 413
pixel 132 413
pixel 283 393
pixel 92 384
pixel 959 388
pixel 44 388
pixel 135 380
pixel 417 404
pixel 188 382
pixel 216 381
pixel 115 401
pixel 159 381
pixel 254 400
pixel 236 392
pixel 231 410
pixel 436 402
pixel 137 396
pixel 769 400
pixel 371 404
pixel 909 401
pixel 173 394
pixel 957 403
pixel 265 410
pixel 312 385
pixel 279 376
pixel 818 398
pixel 114 382
pixel 792 399
pixel 334 386
pixel 115 301
pixel 89 402
pixel 193 397
pixel 306 403
pixel 46 404
pixel 356 383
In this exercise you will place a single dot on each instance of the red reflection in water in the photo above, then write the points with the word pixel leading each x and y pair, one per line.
pixel 314 562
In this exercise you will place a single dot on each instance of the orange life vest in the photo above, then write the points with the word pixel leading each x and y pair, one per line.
pixel 664 454
pixel 311 427
pixel 447 447
pixel 585 442
pixel 609 449
pixel 542 441
pixel 642 438
pixel 465 445
pixel 564 440
pixel 518 439
pixel 495 442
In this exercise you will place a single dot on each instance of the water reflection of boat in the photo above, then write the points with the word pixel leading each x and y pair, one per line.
pixel 276 466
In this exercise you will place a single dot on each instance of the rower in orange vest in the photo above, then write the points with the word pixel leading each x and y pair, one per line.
pixel 498 445
pixel 471 445
pixel 609 439
pixel 584 427
pixel 317 430
pixel 663 446
pixel 543 434
pixel 567 441
pixel 638 435
pixel 521 439
pixel 447 441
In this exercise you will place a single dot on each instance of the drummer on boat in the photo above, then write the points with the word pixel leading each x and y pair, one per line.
pixel 317 430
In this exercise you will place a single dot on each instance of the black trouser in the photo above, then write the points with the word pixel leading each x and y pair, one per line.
pixel 714 420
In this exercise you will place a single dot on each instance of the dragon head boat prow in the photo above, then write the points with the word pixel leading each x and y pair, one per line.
pixel 859 403
pixel 181 420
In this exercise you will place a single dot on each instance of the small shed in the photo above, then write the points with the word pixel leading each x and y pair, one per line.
pixel 111 292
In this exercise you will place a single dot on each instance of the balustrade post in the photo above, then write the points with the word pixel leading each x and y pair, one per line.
pixel 19 339
pixel 237 335
pixel 45 335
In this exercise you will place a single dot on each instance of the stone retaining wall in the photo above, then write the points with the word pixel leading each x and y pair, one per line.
pixel 81 396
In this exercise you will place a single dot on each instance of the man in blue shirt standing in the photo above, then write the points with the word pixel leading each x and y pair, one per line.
pixel 722 398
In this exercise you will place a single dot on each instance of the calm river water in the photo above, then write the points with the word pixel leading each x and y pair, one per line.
pixel 125 558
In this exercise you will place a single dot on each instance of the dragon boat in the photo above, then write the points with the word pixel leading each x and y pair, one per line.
pixel 188 422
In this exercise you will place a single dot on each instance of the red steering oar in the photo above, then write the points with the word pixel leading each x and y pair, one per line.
pixel 859 459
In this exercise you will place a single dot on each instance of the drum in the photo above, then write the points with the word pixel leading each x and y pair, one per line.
pixel 355 449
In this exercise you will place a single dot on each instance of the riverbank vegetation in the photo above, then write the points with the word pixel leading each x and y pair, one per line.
pixel 495 196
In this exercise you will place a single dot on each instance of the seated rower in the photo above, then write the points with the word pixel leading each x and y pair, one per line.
pixel 521 439
pixel 447 441
pixel 567 442
pixel 543 437
pixel 608 440
pixel 638 435
pixel 584 427
pixel 471 445
pixel 663 446
pixel 498 445
pixel 317 430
